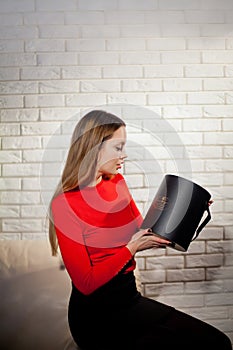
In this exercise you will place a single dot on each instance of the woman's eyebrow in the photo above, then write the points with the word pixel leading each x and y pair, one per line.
pixel 120 142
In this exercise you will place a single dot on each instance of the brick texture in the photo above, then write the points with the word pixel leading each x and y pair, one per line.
pixel 166 67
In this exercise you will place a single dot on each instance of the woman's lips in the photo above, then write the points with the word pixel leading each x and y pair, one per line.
pixel 119 165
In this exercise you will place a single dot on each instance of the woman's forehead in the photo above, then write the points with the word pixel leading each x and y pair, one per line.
pixel 120 134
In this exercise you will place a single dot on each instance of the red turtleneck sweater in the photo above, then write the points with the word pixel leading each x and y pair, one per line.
pixel 93 226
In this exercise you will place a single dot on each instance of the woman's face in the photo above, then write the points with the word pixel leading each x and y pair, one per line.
pixel 112 153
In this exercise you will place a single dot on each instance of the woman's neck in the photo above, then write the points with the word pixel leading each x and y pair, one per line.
pixel 96 181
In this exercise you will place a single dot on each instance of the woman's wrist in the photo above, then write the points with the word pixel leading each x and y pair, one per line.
pixel 132 246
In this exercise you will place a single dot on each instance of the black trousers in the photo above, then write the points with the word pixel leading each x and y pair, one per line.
pixel 118 317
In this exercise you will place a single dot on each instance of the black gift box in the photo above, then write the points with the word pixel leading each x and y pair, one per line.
pixel 177 210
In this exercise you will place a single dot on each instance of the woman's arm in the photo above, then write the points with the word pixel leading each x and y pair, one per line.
pixel 86 275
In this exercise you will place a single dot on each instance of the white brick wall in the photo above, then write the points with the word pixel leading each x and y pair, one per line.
pixel 166 66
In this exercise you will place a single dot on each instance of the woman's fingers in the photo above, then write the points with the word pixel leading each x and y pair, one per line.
pixel 146 239
pixel 156 239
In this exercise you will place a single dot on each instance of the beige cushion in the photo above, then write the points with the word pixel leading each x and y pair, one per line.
pixel 34 297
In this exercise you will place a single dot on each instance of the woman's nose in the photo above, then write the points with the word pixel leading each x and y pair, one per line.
pixel 123 155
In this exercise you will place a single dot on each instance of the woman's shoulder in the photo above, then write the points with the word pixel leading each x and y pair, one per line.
pixel 118 177
pixel 64 198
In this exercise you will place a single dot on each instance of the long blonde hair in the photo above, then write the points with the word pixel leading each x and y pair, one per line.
pixel 80 168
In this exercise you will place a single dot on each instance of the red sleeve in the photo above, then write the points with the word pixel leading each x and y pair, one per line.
pixel 85 276
pixel 136 213
pixel 88 278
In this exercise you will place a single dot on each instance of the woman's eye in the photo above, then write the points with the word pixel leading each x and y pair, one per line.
pixel 119 149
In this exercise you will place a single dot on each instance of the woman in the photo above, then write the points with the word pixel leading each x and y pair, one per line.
pixel 96 224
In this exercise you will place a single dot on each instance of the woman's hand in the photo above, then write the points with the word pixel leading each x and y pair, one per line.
pixel 144 239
